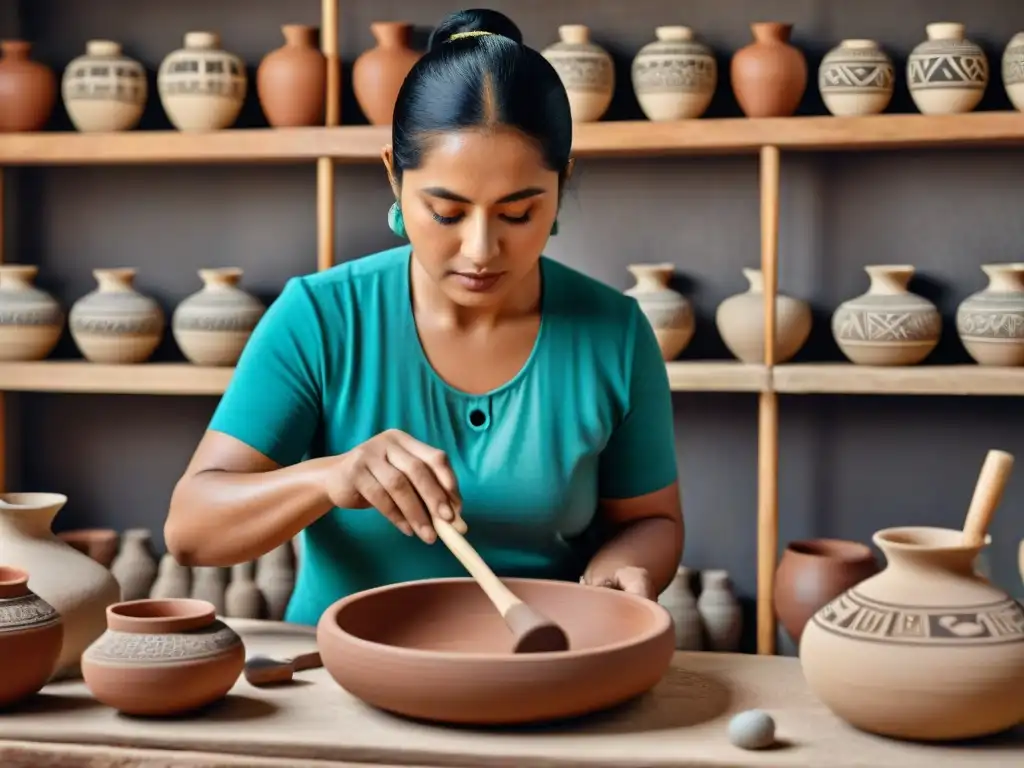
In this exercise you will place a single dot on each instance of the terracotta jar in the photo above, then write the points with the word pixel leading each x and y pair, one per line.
pixel 162 657
pixel 1013 70
pixel 947 73
pixel 115 323
pixel 213 325
pixel 378 74
pixel 926 650
pixel 291 81
pixel 202 87
pixel 990 323
pixel 28 89
pixel 31 635
pixel 813 572
pixel 104 90
pixel 31 320
pixel 769 76
pixel 740 321
pixel 856 78
pixel 586 70
pixel 79 588
pixel 98 543
pixel 669 312
pixel 888 325
pixel 674 78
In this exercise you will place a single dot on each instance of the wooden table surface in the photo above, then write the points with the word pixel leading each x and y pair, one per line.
pixel 313 722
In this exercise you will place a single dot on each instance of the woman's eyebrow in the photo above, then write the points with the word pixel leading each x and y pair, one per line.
pixel 447 194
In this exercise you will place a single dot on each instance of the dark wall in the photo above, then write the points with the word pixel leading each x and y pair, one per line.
pixel 849 465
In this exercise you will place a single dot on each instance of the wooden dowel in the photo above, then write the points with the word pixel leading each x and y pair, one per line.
pixel 325 193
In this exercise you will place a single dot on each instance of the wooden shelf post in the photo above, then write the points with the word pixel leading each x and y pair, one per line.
pixel 332 117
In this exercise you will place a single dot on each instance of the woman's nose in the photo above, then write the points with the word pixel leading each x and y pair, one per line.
pixel 481 242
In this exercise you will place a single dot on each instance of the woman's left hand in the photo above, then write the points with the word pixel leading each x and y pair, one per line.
pixel 632 579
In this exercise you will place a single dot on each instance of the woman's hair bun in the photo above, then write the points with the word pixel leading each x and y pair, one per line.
pixel 474 20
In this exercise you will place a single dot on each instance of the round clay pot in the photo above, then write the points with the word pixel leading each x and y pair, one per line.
pixel 381 644
pixel 115 323
pixel 990 323
pixel 769 76
pixel 378 74
pixel 947 74
pixel 926 650
pixel 213 325
pixel 1013 70
pixel 98 543
pixel 856 78
pixel 586 71
pixel 31 634
pixel 28 89
pixel 674 77
pixel 163 657
pixel 669 312
pixel 813 572
pixel 291 81
pixel 888 325
pixel 202 88
pixel 740 322
pixel 31 320
pixel 104 90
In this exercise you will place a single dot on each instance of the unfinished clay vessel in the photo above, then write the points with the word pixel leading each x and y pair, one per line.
pixel 98 543
pixel 669 312
pixel 679 601
pixel 378 74
pixel 31 320
pixel 769 76
pixel 115 323
pixel 163 657
pixel 740 322
pixel 381 644
pixel 28 89
pixel 925 650
pixel 586 70
pixel 213 325
pixel 813 572
pixel 31 635
pixel 1013 70
pixel 135 566
pixel 201 86
pixel 990 323
pixel 291 81
pixel 103 89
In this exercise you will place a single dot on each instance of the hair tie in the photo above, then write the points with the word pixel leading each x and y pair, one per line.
pixel 475 33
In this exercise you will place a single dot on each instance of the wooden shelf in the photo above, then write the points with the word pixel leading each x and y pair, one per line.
pixel 848 379
pixel 85 377
pixel 358 144
pixel 716 376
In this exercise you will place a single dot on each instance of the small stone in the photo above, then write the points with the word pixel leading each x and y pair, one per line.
pixel 752 729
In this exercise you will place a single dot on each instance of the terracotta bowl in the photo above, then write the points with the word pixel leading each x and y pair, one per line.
pixel 438 650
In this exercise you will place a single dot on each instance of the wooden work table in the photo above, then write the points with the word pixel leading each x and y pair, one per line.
pixel 313 722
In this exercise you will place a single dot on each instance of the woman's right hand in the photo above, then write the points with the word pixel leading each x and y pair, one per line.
pixel 405 480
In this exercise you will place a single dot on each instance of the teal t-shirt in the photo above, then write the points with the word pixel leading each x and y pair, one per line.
pixel 337 359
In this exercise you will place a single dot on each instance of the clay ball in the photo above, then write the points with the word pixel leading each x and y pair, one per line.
pixel 752 729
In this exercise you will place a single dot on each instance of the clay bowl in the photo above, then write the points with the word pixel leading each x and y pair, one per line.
pixel 438 650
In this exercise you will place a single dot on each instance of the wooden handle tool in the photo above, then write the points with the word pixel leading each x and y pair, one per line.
pixel 263 670
pixel 988 492
pixel 533 632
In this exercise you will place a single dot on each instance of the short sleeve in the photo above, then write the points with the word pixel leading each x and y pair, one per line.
pixel 640 456
pixel 273 402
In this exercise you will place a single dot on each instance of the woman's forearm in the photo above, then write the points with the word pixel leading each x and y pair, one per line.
pixel 220 518
pixel 654 544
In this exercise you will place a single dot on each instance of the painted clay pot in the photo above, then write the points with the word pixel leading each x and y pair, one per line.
pixel 856 78
pixel 669 312
pixel 163 657
pixel 104 90
pixel 79 588
pixel 98 543
pixel 213 325
pixel 813 572
pixel 679 601
pixel 378 74
pixel 1013 70
pixel 769 76
pixel 674 78
pixel 926 650
pixel 740 321
pixel 115 323
pixel 888 325
pixel 947 74
pixel 990 323
pixel 202 88
pixel 31 320
pixel 31 635
pixel 291 81
pixel 586 71
pixel 28 89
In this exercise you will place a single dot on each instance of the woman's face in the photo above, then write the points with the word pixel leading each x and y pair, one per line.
pixel 478 212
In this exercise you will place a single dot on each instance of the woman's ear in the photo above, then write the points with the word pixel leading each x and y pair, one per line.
pixel 389 165
pixel 569 168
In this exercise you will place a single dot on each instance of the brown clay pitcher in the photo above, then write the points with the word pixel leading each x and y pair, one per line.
pixel 378 74
pixel 291 81
pixel 28 89
pixel 769 76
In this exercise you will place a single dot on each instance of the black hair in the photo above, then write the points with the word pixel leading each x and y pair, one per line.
pixel 479 81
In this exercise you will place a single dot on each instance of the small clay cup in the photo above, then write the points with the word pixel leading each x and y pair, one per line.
pixel 163 657
pixel 31 635
pixel 98 543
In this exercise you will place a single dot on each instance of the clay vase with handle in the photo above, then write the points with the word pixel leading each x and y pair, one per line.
pixel 926 650
pixel 769 76
pixel 378 74
pixel 291 81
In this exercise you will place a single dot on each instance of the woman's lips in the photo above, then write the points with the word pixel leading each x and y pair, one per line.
pixel 478 281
